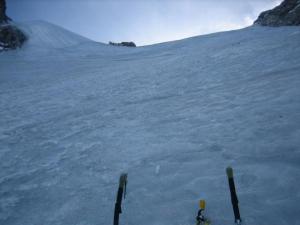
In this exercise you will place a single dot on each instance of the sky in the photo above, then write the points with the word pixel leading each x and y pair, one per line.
pixel 142 21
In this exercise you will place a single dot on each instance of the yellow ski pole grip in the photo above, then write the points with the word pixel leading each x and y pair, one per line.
pixel 202 204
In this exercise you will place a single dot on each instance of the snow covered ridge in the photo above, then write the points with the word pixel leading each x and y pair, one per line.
pixel 46 35
pixel 173 116
pixel 286 14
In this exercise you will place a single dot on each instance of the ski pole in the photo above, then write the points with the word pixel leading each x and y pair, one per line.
pixel 200 219
pixel 121 190
pixel 234 198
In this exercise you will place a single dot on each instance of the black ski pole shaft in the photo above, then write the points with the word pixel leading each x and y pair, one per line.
pixel 118 208
pixel 234 198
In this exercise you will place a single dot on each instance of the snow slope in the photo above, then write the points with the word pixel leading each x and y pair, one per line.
pixel 74 114
pixel 46 35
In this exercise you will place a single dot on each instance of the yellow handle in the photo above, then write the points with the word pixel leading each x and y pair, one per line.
pixel 202 204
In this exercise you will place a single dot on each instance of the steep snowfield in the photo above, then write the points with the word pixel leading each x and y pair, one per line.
pixel 47 35
pixel 74 114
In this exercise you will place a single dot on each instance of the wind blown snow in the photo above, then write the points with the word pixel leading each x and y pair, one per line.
pixel 74 114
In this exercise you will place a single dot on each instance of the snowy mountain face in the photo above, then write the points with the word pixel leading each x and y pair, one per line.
pixel 74 114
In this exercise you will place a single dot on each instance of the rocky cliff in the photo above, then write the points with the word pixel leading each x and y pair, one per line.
pixel 286 14
pixel 11 37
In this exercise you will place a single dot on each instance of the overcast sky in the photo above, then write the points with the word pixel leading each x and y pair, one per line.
pixel 142 21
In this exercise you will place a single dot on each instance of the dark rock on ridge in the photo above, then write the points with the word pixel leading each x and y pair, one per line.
pixel 125 44
pixel 3 17
pixel 11 37
pixel 286 14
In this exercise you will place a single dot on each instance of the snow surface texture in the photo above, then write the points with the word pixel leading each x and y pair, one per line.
pixel 75 114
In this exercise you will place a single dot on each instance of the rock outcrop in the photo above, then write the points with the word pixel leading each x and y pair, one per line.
pixel 3 17
pixel 11 37
pixel 286 14
pixel 125 44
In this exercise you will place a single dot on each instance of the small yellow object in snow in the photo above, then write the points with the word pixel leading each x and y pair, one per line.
pixel 202 204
